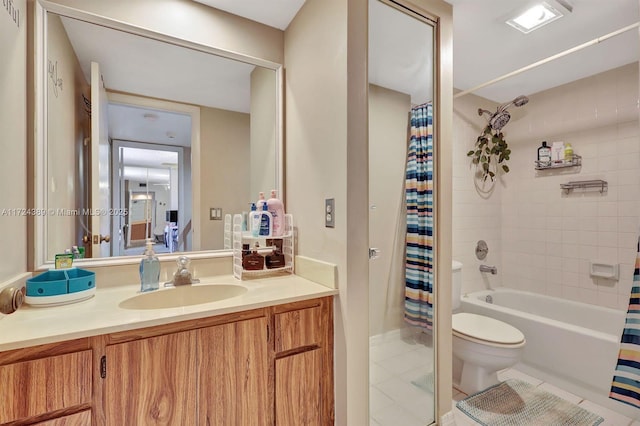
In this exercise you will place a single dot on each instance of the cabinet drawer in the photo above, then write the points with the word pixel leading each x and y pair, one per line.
pixel 31 388
pixel 295 329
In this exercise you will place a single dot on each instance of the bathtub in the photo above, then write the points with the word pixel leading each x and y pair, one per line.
pixel 569 344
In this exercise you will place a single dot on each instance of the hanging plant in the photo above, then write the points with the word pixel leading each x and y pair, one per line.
pixel 491 150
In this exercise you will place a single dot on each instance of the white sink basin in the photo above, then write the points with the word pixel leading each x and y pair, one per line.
pixel 186 295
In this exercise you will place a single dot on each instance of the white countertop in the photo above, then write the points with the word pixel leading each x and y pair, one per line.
pixel 30 326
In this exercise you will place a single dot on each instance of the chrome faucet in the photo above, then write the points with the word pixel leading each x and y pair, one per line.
pixel 487 268
pixel 182 275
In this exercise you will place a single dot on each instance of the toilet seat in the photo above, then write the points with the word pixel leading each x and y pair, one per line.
pixel 486 330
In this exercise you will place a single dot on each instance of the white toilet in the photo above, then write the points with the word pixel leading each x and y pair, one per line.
pixel 484 345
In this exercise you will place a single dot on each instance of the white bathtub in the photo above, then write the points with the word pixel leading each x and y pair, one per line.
pixel 569 344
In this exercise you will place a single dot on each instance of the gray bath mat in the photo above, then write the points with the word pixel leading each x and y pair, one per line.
pixel 518 403
pixel 424 382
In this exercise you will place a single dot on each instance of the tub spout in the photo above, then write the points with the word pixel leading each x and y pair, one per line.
pixel 487 268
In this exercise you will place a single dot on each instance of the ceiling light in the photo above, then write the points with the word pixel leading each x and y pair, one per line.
pixel 535 17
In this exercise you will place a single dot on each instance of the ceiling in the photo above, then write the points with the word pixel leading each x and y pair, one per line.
pixel 275 13
pixel 394 63
pixel 134 64
pixel 486 48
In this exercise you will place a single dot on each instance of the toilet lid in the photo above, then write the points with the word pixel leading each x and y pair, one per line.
pixel 487 329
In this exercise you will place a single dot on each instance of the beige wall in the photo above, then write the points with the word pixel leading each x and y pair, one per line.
pixel 224 170
pixel 476 213
pixel 548 237
pixel 316 152
pixel 540 238
pixel 13 161
pixel 192 21
pixel 263 132
pixel 388 139
pixel 326 151
pixel 67 126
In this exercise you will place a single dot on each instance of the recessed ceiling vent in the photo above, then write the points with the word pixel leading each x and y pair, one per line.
pixel 538 15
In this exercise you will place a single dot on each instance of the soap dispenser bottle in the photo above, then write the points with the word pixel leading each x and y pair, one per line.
pixel 276 208
pixel 149 269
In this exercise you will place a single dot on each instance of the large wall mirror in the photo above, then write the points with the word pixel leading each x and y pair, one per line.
pixel 143 136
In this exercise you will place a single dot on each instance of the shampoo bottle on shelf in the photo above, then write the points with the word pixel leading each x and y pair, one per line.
pixel 276 208
pixel 149 269
pixel 266 222
pixel 568 153
pixel 544 154
pixel 254 221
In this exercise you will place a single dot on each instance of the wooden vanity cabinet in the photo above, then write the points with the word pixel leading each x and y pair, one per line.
pixel 268 366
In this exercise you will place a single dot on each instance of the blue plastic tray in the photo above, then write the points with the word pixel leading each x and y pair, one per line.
pixel 62 281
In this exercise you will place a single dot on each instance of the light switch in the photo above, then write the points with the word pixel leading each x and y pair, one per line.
pixel 215 213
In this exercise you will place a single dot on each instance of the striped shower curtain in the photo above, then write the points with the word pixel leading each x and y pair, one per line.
pixel 626 379
pixel 418 305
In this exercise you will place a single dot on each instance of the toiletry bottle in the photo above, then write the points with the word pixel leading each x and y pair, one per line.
pixel 275 259
pixel 276 208
pixel 261 201
pixel 544 154
pixel 568 153
pixel 149 269
pixel 253 261
pixel 266 222
pixel 254 221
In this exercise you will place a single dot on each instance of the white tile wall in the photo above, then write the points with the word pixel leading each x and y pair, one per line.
pixel 540 238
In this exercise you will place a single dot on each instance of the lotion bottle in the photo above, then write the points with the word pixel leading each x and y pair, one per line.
pixel 254 221
pixel 149 269
pixel 276 208
pixel 266 222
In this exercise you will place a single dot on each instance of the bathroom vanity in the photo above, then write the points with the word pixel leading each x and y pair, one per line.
pixel 265 365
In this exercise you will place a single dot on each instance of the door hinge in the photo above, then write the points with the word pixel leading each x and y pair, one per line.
pixel 268 332
pixel 103 366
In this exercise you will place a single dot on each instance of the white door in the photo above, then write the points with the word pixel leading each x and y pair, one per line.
pixel 100 165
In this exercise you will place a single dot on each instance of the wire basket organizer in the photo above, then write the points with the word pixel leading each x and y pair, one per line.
pixel 241 237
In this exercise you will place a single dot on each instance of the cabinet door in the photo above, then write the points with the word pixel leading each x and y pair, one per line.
pixel 298 391
pixel 151 381
pixel 234 374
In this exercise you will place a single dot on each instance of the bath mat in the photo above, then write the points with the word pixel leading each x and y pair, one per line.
pixel 424 382
pixel 518 403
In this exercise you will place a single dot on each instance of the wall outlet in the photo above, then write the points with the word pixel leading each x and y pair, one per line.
pixel 329 213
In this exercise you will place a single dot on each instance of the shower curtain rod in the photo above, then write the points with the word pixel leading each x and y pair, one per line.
pixel 549 59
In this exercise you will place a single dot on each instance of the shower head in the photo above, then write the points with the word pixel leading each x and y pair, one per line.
pixel 501 117
pixel 519 101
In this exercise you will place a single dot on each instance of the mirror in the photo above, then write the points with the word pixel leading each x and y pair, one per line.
pixel 145 136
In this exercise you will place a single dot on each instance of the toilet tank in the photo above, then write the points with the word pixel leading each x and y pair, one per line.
pixel 456 284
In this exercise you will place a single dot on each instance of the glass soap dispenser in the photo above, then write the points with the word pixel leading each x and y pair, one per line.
pixel 149 269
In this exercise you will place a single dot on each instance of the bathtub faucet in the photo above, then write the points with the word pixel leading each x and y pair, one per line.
pixel 487 268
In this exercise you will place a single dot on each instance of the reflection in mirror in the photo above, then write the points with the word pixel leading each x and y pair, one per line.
pixel 401 81
pixel 116 105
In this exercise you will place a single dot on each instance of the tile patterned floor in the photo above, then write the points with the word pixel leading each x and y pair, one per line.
pixel 399 392
pixel 400 368
pixel 611 418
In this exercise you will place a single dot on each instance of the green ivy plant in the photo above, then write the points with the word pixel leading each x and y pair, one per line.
pixel 491 149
